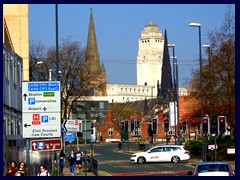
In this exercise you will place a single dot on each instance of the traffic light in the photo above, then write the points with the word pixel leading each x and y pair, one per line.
pixel 122 123
pixel 154 124
pixel 166 125
pixel 205 125
pixel 184 127
pixel 222 122
pixel 126 125
pixel 133 125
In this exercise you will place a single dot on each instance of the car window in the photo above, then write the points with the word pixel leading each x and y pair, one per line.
pixel 155 150
pixel 213 167
pixel 176 148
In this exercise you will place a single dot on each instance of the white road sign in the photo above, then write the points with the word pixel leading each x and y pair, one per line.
pixel 41 115
pixel 72 125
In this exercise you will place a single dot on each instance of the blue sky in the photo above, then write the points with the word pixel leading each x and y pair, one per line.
pixel 118 28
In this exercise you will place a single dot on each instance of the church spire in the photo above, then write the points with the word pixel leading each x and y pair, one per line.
pixel 166 82
pixel 92 56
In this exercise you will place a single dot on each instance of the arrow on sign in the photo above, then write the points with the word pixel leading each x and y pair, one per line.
pixel 25 97
pixel 26 125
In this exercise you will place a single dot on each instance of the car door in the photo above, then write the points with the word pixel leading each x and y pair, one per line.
pixel 154 154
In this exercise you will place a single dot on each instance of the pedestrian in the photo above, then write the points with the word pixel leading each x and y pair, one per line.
pixel 79 156
pixel 21 169
pixel 43 171
pixel 12 170
pixel 61 163
pixel 72 160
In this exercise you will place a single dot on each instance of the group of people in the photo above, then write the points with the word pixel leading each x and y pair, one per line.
pixel 75 160
pixel 17 170
pixel 21 170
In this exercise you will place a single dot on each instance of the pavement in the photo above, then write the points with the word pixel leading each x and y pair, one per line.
pixel 192 162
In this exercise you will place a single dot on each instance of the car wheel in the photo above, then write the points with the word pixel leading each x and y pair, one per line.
pixel 141 160
pixel 175 159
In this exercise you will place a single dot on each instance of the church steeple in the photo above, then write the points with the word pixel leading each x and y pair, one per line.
pixel 92 56
pixel 166 82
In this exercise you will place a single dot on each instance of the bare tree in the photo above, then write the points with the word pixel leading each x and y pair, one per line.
pixel 71 71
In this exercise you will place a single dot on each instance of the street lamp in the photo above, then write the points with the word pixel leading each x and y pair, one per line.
pixel 174 91
pixel 209 74
pixel 201 95
pixel 152 99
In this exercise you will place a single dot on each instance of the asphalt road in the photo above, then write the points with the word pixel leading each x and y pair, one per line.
pixel 117 163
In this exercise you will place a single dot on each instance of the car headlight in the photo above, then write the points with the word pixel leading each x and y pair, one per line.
pixel 134 155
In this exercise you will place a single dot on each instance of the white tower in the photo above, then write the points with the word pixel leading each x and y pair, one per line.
pixel 150 54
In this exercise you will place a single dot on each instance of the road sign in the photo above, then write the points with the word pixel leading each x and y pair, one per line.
pixel 41 109
pixel 72 125
pixel 69 136
pixel 46 144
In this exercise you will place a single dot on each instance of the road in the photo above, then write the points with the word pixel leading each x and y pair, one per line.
pixel 117 163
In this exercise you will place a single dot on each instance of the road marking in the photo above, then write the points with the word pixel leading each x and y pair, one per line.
pixel 104 172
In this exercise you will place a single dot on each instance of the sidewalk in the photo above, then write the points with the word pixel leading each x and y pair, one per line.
pixel 66 172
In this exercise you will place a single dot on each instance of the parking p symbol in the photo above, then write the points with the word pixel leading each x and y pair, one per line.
pixel 31 101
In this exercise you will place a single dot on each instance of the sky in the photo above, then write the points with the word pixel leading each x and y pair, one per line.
pixel 118 28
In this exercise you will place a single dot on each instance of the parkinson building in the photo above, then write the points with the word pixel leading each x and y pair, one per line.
pixel 149 67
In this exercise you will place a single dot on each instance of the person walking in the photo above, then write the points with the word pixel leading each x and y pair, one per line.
pixel 72 160
pixel 12 170
pixel 43 171
pixel 21 169
pixel 61 163
pixel 79 156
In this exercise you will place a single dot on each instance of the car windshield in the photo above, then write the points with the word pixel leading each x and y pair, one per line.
pixel 213 167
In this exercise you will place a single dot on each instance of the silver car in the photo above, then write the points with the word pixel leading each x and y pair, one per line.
pixel 163 153
pixel 214 168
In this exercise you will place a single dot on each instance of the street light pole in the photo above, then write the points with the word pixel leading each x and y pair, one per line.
pixel 201 94
pixel 152 100
pixel 174 92
pixel 209 77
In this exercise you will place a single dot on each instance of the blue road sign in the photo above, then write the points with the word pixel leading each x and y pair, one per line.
pixel 69 136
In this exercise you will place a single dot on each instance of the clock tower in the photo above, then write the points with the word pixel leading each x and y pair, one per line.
pixel 150 55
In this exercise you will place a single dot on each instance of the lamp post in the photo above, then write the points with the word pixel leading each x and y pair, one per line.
pixel 209 76
pixel 201 95
pixel 152 99
pixel 174 92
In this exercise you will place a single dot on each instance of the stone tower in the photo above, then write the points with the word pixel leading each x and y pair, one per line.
pixel 150 55
pixel 93 70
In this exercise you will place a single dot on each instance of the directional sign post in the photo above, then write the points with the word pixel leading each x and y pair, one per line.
pixel 46 144
pixel 72 125
pixel 41 109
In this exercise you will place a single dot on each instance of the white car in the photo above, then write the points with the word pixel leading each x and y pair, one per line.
pixel 212 168
pixel 163 153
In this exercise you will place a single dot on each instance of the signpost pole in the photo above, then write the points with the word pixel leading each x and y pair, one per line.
pixel 28 155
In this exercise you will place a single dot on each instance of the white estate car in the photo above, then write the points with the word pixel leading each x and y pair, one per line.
pixel 163 153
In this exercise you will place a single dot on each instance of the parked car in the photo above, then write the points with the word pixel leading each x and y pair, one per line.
pixel 214 168
pixel 163 153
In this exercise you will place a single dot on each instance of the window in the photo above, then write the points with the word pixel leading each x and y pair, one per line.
pixel 110 131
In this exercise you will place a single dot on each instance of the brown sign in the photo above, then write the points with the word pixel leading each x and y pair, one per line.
pixel 46 144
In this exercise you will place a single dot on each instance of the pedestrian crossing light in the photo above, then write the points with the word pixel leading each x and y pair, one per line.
pixel 222 124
